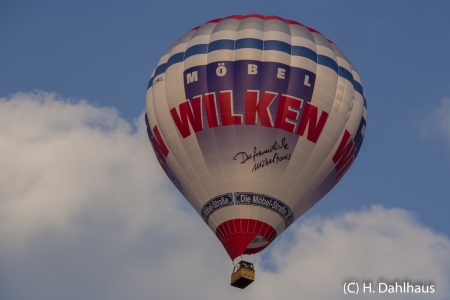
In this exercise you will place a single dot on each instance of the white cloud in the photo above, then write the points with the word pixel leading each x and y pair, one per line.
pixel 438 122
pixel 373 243
pixel 86 213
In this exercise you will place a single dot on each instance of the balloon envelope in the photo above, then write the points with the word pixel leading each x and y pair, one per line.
pixel 254 119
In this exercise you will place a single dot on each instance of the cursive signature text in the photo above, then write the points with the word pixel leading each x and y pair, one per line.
pixel 258 154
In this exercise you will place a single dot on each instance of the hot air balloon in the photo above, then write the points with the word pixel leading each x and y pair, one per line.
pixel 254 119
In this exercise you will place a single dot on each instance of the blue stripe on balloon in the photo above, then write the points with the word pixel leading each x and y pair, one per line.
pixel 328 62
pixel 197 49
pixel 346 74
pixel 159 70
pixel 304 52
pixel 150 82
pixel 277 46
pixel 176 58
pixel 358 87
pixel 221 45
pixel 249 43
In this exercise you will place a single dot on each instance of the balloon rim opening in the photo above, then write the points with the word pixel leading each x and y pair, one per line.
pixel 237 234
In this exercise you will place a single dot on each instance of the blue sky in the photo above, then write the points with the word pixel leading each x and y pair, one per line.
pixel 103 56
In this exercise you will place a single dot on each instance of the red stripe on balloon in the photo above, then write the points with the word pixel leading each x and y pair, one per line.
pixel 239 17
pixel 215 21
pixel 312 30
pixel 275 18
pixel 255 16
pixel 292 22
pixel 237 234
